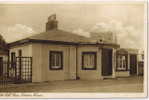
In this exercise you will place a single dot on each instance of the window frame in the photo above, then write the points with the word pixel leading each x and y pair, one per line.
pixel 50 56
pixel 95 61
pixel 126 56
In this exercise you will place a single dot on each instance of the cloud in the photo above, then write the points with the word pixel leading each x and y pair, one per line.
pixel 127 36
pixel 16 32
pixel 80 31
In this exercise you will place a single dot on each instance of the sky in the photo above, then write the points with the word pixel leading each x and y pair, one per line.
pixel 126 20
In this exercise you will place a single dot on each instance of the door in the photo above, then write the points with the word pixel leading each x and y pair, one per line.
pixel 1 66
pixel 106 62
pixel 133 64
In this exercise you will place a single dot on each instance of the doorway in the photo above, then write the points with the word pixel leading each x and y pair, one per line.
pixel 133 64
pixel 106 62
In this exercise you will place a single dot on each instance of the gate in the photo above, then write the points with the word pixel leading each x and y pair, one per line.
pixel 19 71
pixel 23 69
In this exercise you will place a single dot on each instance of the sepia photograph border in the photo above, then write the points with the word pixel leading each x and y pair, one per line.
pixel 88 95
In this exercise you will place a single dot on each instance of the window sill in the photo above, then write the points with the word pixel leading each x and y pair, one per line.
pixel 122 70
pixel 56 68
pixel 88 68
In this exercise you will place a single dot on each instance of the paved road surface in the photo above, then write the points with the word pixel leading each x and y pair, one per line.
pixel 131 84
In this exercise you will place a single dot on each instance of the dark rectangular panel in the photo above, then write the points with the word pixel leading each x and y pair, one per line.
pixel 133 64
pixel 1 66
pixel 106 62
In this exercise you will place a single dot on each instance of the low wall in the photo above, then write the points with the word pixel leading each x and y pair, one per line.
pixel 122 74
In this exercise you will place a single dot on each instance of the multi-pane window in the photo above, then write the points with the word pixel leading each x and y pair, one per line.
pixel 89 60
pixel 122 62
pixel 56 60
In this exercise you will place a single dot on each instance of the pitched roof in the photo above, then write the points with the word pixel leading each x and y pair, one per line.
pixel 57 36
pixel 60 35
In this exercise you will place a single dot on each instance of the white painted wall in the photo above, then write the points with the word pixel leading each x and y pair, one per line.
pixel 26 50
pixel 122 74
pixel 89 74
pixel 41 63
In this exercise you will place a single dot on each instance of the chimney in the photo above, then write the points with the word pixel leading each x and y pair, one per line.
pixel 52 23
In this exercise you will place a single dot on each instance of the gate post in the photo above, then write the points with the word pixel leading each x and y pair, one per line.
pixel 20 68
pixel 8 68
pixel 15 67
pixel 31 59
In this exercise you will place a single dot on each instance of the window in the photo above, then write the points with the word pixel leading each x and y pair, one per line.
pixel 89 60
pixel 13 56
pixel 142 56
pixel 20 53
pixel 121 63
pixel 56 60
pixel 13 59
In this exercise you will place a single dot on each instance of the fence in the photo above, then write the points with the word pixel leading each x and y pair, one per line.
pixel 18 71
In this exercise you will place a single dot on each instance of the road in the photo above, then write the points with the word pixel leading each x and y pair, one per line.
pixel 131 84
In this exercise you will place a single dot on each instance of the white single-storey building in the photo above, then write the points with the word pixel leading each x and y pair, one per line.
pixel 60 55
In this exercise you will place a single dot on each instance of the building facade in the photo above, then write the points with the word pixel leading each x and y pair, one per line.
pixel 128 62
pixel 60 55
